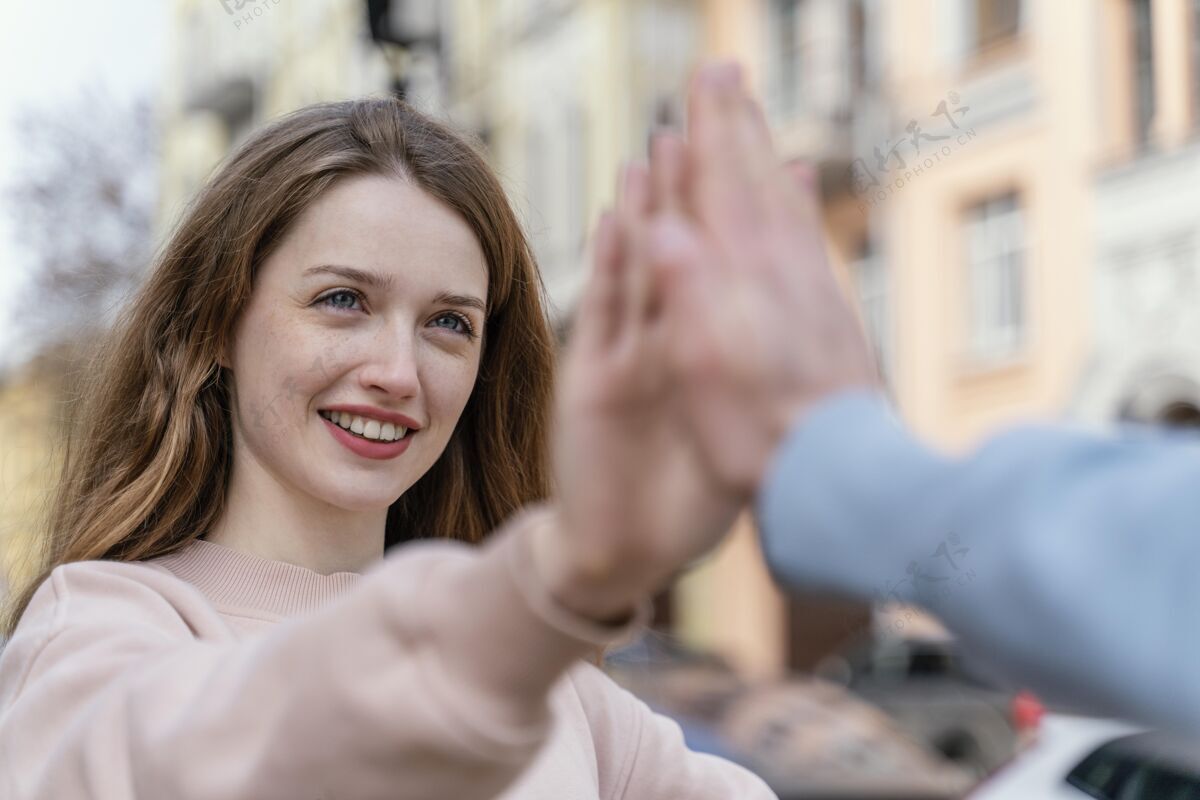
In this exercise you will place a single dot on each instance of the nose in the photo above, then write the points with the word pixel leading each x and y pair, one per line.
pixel 392 367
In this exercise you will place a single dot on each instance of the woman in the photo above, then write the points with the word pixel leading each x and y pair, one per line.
pixel 341 349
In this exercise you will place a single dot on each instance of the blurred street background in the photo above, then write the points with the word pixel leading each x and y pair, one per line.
pixel 1011 193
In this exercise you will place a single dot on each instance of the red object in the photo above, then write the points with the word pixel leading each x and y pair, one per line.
pixel 1027 712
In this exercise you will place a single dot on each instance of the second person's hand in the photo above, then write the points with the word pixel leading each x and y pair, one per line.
pixel 760 331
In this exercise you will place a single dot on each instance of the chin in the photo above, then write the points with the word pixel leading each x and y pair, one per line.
pixel 361 499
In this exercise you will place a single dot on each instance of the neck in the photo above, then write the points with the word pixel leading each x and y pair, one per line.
pixel 265 518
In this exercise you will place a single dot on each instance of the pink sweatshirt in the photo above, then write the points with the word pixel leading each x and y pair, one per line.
pixel 443 672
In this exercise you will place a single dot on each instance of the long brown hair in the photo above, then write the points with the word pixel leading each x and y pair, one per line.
pixel 148 442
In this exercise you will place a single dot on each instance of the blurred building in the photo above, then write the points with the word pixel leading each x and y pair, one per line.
pixel 238 63
pixel 564 91
pixel 1144 364
pixel 559 92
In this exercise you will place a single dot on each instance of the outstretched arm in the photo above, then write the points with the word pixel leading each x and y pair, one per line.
pixel 1064 560
pixel 428 680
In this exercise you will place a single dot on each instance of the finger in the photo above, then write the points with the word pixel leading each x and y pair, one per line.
pixel 690 287
pixel 711 93
pixel 730 161
pixel 668 178
pixel 714 185
pixel 706 91
pixel 727 126
pixel 600 309
pixel 685 275
pixel 676 251
pixel 802 187
pixel 668 167
pixel 757 130
pixel 633 194
pixel 754 150
pixel 633 209
pixel 799 207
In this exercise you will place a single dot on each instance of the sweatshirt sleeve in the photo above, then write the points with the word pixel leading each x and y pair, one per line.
pixel 642 755
pixel 428 680
pixel 1062 560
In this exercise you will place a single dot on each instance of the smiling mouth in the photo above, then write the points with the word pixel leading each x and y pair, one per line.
pixel 367 429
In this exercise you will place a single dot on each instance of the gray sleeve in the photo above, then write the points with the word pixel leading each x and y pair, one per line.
pixel 1066 561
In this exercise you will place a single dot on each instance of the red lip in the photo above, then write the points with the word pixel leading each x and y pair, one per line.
pixel 377 413
pixel 367 448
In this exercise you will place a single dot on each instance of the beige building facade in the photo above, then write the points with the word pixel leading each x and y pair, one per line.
pixel 1144 365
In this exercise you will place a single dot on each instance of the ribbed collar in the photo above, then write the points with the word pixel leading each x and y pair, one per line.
pixel 239 581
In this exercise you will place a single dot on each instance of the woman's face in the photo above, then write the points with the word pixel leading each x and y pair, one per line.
pixel 370 311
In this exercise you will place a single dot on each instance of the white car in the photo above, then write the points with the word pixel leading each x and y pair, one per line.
pixel 1075 758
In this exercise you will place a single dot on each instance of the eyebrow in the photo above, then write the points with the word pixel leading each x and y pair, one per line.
pixel 365 277
pixel 385 282
pixel 462 300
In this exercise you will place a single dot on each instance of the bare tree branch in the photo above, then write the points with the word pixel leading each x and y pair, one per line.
pixel 83 204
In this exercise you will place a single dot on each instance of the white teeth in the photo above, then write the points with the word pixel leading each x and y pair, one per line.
pixel 367 428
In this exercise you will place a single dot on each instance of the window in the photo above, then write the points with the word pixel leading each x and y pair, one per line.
pixel 787 54
pixel 996 21
pixel 817 58
pixel 1145 765
pixel 871 286
pixel 1143 68
pixel 995 239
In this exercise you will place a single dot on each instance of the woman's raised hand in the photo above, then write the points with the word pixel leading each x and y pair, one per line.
pixel 636 503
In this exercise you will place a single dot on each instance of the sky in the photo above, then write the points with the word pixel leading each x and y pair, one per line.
pixel 50 51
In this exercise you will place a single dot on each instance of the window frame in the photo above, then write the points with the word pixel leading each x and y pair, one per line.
pixel 995 250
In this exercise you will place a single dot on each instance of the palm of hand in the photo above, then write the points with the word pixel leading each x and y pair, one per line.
pixel 634 493
pixel 628 471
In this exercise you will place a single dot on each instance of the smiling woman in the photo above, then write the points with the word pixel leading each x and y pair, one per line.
pixel 391 340
pixel 342 350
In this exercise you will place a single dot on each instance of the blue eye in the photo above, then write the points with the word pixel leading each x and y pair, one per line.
pixel 340 293
pixel 459 323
